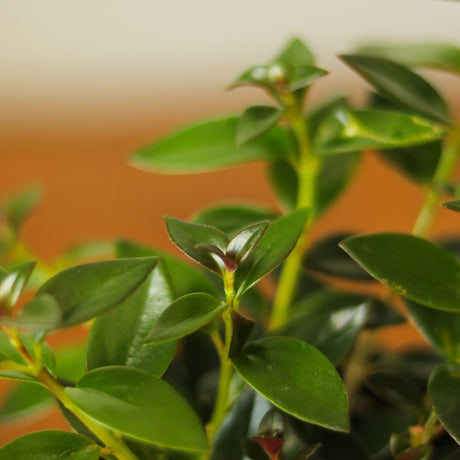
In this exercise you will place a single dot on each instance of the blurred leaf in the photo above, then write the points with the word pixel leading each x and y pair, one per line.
pixel 302 76
pixel 13 283
pixel 400 85
pixel 325 256
pixel 444 395
pixel 184 316
pixel 210 145
pixel 255 121
pixel 295 54
pixel 17 208
pixel 55 445
pixel 88 250
pixel 297 378
pixel 285 183
pixel 139 406
pixel 274 246
pixel 382 314
pixel 117 338
pixel 412 266
pixel 453 205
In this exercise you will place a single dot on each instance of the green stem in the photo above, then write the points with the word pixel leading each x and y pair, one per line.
pixel 307 169
pixel 441 177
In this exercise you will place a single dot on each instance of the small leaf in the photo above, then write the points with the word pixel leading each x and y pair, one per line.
pixel 274 246
pixel 88 290
pixel 297 378
pixel 55 445
pixel 210 145
pixel 302 76
pixel 295 54
pixel 325 256
pixel 184 316
pixel 139 406
pixel 412 266
pixel 13 283
pixel 242 244
pixel 256 121
pixel 453 205
pixel 187 236
pixel 444 395
pixel 400 85
pixel 18 208
pixel 442 56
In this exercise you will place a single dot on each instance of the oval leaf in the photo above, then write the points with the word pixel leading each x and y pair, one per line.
pixel 242 244
pixel 139 406
pixel 13 283
pixel 444 395
pixel 400 85
pixel 412 266
pixel 453 205
pixel 56 445
pixel 88 290
pixel 297 378
pixel 185 315
pixel 210 145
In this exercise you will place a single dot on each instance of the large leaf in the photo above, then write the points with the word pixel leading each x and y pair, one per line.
pixel 117 338
pixel 400 85
pixel 412 266
pixel 184 316
pixel 210 145
pixel 357 130
pixel 139 406
pixel 85 291
pixel 55 445
pixel 274 246
pixel 297 378
pixel 443 391
pixel 442 56
pixel 440 328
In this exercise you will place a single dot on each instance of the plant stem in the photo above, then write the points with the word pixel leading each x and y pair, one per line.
pixel 441 176
pixel 307 169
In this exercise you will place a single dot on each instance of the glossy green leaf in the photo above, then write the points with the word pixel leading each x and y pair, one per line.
pixel 441 329
pixel 210 145
pixel 295 54
pixel 325 256
pixel 453 205
pixel 412 266
pixel 302 76
pixel 357 130
pixel 274 246
pixel 187 278
pixel 255 121
pixel 329 321
pixel 139 406
pixel 13 283
pixel 243 243
pixel 443 391
pixel 88 290
pixel 297 378
pixel 441 56
pixel 55 445
pixel 400 85
pixel 184 316
pixel 17 208
pixel 188 235
pixel 117 338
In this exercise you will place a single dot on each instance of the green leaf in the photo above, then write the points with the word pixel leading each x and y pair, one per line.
pixel 400 85
pixel 187 278
pixel 325 256
pixel 139 406
pixel 284 182
pixel 329 321
pixel 441 329
pixel 55 445
pixel 13 283
pixel 382 314
pixel 441 56
pixel 444 395
pixel 210 145
pixel 117 338
pixel 255 121
pixel 453 205
pixel 243 243
pixel 85 291
pixel 297 378
pixel 19 207
pixel 295 54
pixel 87 251
pixel 187 236
pixel 357 130
pixel 274 246
pixel 302 76
pixel 184 316
pixel 412 266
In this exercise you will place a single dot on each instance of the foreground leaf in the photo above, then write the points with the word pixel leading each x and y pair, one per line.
pixel 210 145
pixel 412 266
pixel 55 445
pixel 297 378
pixel 139 406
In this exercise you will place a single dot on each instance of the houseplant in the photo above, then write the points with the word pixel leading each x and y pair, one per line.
pixel 199 361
